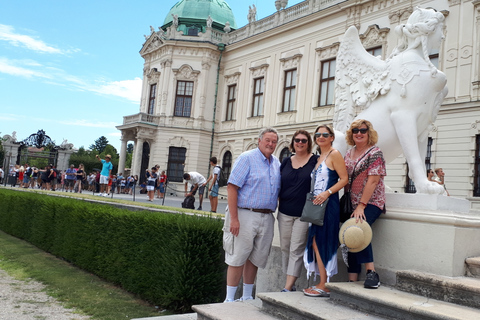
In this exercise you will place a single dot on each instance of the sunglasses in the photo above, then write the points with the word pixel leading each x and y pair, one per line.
pixel 362 131
pixel 320 134
pixel 300 140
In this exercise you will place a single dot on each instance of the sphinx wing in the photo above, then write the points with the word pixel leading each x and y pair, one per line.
pixel 359 79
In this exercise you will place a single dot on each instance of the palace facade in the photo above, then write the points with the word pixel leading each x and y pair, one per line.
pixel 209 87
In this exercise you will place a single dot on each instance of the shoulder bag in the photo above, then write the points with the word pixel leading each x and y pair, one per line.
pixel 311 212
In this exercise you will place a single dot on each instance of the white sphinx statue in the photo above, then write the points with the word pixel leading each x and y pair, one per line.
pixel 400 96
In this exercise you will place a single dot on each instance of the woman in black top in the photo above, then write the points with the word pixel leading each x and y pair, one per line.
pixel 80 178
pixel 295 184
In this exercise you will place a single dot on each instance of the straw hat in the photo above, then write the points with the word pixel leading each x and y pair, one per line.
pixel 355 236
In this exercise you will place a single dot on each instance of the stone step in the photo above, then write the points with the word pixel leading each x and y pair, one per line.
pixel 473 267
pixel 460 290
pixel 250 309
pixel 296 305
pixel 185 316
pixel 398 304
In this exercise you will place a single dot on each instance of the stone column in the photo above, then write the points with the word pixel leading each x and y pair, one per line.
pixel 123 155
pixel 137 157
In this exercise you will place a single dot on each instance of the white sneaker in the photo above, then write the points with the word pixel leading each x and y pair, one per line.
pixel 244 299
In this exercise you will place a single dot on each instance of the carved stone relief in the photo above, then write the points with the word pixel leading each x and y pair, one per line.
pixel 374 36
pixel 291 62
pixel 232 78
pixel 179 142
pixel 259 71
pixel 466 52
pixel 328 52
pixel 153 76
pixel 186 72
pixel 401 15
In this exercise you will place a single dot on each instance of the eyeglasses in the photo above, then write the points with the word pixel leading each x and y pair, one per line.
pixel 320 134
pixel 362 131
pixel 300 140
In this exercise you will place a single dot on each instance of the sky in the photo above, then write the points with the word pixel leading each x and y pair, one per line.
pixel 73 68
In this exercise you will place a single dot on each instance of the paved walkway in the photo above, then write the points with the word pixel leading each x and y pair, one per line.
pixel 27 300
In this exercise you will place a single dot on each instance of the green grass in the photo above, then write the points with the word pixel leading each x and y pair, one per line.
pixel 72 286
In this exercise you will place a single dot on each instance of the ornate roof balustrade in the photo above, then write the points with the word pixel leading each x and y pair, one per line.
pixel 255 27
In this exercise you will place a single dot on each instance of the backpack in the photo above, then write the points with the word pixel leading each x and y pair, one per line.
pixel 189 202
pixel 54 173
pixel 221 176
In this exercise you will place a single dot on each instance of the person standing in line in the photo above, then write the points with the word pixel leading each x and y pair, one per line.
pixel 198 182
pixel 162 180
pixel 1 174
pixel 253 188
pixel 152 176
pixel 329 176
pixel 295 184
pixel 70 178
pixel 366 169
pixel 107 167
pixel 441 179
pixel 215 177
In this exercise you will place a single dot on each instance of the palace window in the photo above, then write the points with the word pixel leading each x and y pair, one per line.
pixel 183 98
pixel 434 59
pixel 231 98
pixel 285 154
pixel 151 100
pixel 176 163
pixel 258 85
pixel 289 90
pixel 327 83
pixel 226 169
pixel 410 185
pixel 377 51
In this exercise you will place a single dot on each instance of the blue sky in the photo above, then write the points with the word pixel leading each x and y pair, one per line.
pixel 73 69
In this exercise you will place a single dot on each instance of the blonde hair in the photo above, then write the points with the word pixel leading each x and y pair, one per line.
pixel 372 134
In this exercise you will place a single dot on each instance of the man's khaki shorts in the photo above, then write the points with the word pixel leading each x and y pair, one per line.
pixel 254 240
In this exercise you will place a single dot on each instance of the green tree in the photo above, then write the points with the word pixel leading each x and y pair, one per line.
pixel 2 151
pixel 100 144
pixel 130 148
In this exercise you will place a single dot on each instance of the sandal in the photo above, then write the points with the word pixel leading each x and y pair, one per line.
pixel 316 292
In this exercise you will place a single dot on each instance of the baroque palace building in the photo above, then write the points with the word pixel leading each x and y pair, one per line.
pixel 209 87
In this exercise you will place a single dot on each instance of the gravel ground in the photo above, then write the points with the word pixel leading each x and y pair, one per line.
pixel 26 300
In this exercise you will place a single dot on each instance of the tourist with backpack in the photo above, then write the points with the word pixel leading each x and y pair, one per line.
pixel 215 177
pixel 198 182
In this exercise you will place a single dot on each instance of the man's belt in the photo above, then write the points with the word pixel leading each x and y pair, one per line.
pixel 259 210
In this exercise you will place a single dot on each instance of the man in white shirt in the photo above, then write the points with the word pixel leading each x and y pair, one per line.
pixel 1 174
pixel 198 182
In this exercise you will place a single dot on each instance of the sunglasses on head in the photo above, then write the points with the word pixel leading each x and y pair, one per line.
pixel 362 131
pixel 300 140
pixel 322 134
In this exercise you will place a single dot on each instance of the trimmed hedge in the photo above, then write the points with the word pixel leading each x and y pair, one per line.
pixel 171 260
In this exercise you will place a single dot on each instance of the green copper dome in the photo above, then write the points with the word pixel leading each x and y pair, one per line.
pixel 191 12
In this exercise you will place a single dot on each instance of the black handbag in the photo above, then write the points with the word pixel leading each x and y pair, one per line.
pixel 313 213
pixel 346 207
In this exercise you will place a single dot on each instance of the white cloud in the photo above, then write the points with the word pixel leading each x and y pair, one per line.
pixel 7 33
pixel 129 89
pixel 17 68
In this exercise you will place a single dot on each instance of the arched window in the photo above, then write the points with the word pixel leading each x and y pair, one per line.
pixel 226 169
pixel 285 154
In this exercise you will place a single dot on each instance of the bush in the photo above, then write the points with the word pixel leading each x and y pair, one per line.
pixel 171 260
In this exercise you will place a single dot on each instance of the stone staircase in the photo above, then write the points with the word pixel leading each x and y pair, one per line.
pixel 416 295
